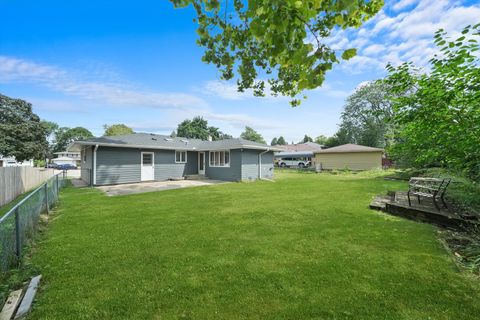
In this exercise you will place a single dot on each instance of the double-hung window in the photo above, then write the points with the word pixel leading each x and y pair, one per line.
pixel 180 156
pixel 220 158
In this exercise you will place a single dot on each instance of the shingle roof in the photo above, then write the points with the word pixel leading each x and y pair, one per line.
pixel 349 147
pixel 155 141
pixel 308 146
pixel 285 154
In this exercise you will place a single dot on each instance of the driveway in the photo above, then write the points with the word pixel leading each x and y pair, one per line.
pixel 73 173
pixel 131 188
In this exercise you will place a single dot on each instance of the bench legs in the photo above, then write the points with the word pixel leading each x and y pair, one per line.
pixel 410 201
pixel 443 201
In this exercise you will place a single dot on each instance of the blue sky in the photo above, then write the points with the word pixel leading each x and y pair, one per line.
pixel 89 63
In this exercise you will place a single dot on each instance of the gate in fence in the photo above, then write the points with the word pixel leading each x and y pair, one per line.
pixel 19 225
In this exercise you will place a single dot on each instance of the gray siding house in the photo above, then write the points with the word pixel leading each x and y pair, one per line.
pixel 149 157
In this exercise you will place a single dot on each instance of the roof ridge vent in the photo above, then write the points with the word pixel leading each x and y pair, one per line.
pixel 168 139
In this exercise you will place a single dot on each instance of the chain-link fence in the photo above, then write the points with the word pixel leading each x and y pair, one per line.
pixel 19 225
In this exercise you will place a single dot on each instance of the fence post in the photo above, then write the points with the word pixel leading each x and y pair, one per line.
pixel 58 189
pixel 18 245
pixel 46 197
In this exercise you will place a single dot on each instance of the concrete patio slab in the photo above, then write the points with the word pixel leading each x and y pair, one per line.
pixel 132 188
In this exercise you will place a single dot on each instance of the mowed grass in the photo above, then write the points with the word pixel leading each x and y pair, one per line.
pixel 303 247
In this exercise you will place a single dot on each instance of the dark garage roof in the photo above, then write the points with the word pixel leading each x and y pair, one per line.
pixel 348 148
pixel 155 141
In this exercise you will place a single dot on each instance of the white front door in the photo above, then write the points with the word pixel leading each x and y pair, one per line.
pixel 201 163
pixel 148 166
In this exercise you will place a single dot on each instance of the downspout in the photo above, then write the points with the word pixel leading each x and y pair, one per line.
pixel 260 163
pixel 95 165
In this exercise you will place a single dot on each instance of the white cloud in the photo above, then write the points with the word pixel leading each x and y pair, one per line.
pixel 182 105
pixel 228 91
pixel 406 36
pixel 14 70
pixel 225 90
pixel 374 49
pixel 403 4
pixel 328 90
pixel 57 105
pixel 242 120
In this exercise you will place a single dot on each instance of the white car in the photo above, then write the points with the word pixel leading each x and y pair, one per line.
pixel 293 162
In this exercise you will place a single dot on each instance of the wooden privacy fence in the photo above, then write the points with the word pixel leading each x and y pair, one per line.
pixel 16 180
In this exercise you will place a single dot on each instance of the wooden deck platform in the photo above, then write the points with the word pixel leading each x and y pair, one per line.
pixel 396 203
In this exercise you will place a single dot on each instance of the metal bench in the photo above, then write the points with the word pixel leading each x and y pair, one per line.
pixel 429 188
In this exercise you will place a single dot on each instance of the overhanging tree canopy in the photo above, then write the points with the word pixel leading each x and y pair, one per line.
pixel 275 43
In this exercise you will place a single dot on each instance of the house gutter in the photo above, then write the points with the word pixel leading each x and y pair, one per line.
pixel 260 163
pixel 95 165
pixel 140 146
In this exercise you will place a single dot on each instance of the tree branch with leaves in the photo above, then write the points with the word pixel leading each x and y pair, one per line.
pixel 275 44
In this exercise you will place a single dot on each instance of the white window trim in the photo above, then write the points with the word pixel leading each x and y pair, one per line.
pixel 186 154
pixel 219 166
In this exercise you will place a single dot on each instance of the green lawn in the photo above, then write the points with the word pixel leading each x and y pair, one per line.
pixel 303 247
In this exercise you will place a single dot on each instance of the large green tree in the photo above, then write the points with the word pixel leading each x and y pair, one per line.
pixel 306 139
pixel 321 139
pixel 281 141
pixel 252 135
pixel 117 129
pixel 198 128
pixel 275 43
pixel 22 134
pixel 64 136
pixel 342 136
pixel 438 111
pixel 366 115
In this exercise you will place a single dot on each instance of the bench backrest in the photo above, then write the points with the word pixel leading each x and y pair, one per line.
pixel 440 185
pixel 444 185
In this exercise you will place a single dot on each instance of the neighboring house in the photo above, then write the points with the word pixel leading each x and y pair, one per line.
pixel 65 160
pixel 349 156
pixel 67 157
pixel 145 157
pixel 297 147
pixel 299 151
pixel 11 162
